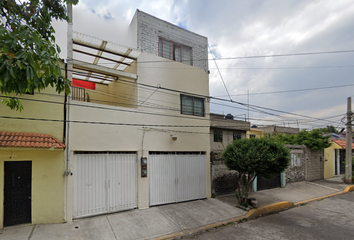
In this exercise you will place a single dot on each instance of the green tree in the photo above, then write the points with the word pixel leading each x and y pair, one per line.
pixel 312 139
pixel 328 129
pixel 29 57
pixel 253 157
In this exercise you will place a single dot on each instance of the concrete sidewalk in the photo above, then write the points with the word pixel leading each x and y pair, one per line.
pixel 293 192
pixel 173 220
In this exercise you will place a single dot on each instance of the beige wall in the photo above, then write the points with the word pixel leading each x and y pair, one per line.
pixel 51 110
pixel 115 137
pixel 47 182
pixel 47 165
pixel 228 137
pixel 122 92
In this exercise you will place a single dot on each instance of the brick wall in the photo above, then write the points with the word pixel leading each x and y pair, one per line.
pixel 151 28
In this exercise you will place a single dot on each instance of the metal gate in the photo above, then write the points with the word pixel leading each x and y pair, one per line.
pixel 264 183
pixel 17 193
pixel 176 177
pixel 104 182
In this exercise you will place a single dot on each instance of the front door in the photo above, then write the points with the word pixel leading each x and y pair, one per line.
pixel 17 193
pixel 342 161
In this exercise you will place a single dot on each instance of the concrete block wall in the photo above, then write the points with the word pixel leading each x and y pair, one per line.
pixel 151 28
pixel 314 164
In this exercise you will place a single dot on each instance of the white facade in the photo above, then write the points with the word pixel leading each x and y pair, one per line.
pixel 146 126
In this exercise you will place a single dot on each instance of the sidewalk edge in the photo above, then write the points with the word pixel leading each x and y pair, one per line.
pixel 254 213
pixel 347 189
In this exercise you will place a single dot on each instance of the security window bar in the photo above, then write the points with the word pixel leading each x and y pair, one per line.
pixel 192 105
pixel 296 159
pixel 236 135
pixel 175 51
pixel 78 94
pixel 217 136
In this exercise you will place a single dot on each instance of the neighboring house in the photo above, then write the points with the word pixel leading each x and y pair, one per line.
pixel 255 132
pixel 278 129
pixel 223 131
pixel 334 157
pixel 32 160
pixel 139 131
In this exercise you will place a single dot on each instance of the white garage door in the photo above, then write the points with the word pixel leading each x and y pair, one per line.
pixel 176 177
pixel 104 182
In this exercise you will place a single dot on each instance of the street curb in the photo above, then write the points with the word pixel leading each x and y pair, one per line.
pixel 254 213
pixel 274 207
pixel 196 230
pixel 347 189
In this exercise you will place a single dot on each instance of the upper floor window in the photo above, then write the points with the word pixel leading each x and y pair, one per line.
pixel 296 159
pixel 237 135
pixel 192 105
pixel 217 135
pixel 175 51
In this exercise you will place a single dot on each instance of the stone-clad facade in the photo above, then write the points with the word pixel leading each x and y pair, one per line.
pixel 309 168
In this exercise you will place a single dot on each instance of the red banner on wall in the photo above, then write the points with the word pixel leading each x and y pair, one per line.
pixel 84 84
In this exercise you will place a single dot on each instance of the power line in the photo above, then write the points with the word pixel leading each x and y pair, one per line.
pixel 293 90
pixel 255 107
pixel 222 79
pixel 259 56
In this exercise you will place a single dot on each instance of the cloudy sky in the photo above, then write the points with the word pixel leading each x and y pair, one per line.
pixel 300 86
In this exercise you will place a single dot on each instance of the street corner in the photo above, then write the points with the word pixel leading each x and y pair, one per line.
pixel 349 189
pixel 271 208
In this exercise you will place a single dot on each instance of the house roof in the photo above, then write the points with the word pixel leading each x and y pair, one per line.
pixel 341 143
pixel 29 140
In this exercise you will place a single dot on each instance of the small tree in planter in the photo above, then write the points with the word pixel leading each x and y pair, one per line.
pixel 253 157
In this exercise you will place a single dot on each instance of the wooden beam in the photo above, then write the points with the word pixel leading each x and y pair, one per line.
pixel 97 47
pixel 102 70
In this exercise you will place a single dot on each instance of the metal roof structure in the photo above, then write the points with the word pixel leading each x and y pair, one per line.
pixel 100 61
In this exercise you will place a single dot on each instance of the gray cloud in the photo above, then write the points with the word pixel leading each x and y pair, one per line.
pixel 248 28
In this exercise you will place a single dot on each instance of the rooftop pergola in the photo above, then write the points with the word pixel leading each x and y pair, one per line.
pixel 99 61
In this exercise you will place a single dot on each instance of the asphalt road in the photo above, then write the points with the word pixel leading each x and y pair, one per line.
pixel 331 218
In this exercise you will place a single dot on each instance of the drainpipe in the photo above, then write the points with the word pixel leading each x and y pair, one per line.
pixel 69 76
pixel 65 101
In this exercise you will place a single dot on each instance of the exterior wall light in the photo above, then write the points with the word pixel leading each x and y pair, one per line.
pixel 174 137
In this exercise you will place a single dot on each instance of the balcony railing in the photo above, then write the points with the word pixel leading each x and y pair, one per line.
pixel 79 94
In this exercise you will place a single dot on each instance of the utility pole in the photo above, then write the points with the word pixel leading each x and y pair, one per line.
pixel 348 151
pixel 248 101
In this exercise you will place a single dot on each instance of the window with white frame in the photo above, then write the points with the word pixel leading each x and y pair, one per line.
pixel 192 105
pixel 296 159
pixel 175 51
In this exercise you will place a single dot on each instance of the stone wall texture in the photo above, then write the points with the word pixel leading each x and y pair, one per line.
pixel 224 181
pixel 311 168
